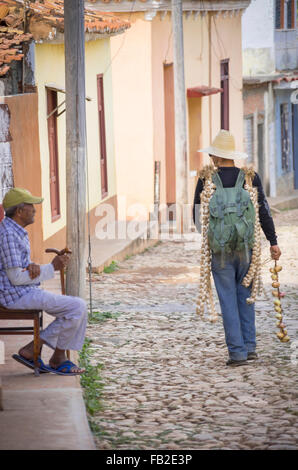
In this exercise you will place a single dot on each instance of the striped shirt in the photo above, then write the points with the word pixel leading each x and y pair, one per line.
pixel 14 253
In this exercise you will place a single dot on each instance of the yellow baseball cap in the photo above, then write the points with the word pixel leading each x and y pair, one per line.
pixel 16 196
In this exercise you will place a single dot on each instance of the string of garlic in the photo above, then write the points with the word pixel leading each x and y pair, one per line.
pixel 253 275
pixel 205 297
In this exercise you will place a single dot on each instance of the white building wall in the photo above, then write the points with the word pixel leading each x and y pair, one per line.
pixel 258 38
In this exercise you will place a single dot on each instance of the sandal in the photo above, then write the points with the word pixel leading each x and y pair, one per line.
pixel 68 365
pixel 30 363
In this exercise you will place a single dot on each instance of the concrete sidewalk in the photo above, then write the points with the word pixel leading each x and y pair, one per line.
pixel 122 242
pixel 40 413
pixel 284 202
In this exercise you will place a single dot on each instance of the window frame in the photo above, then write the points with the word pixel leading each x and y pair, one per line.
pixel 102 136
pixel 284 8
pixel 52 108
pixel 225 95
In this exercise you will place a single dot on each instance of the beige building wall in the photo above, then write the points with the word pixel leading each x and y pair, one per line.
pixel 162 53
pixel 133 116
pixel 50 70
pixel 226 44
pixel 197 73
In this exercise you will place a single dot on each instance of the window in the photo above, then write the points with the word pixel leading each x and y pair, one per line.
pixel 102 136
pixel 285 143
pixel 224 99
pixel 53 151
pixel 285 11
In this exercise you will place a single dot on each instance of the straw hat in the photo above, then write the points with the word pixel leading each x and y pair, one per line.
pixel 223 146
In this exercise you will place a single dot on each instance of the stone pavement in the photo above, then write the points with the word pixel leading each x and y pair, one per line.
pixel 166 383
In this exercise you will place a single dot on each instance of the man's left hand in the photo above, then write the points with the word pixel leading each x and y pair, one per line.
pixel 34 270
pixel 275 252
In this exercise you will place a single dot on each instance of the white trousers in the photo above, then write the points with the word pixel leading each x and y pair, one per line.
pixel 67 331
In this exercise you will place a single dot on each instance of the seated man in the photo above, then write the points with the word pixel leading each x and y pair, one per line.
pixel 19 281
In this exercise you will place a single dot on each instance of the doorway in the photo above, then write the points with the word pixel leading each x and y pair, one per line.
pixel 170 133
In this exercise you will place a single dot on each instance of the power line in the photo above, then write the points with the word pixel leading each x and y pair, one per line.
pixel 123 40
pixel 233 80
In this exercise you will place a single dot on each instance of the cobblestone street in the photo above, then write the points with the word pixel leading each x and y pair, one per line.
pixel 166 382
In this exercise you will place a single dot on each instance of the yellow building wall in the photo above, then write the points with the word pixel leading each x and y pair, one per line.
pixel 197 73
pixel 50 70
pixel 162 52
pixel 226 44
pixel 133 111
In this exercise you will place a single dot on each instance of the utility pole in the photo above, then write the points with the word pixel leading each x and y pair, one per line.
pixel 74 40
pixel 180 113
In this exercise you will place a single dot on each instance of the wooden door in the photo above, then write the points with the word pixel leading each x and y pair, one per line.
pixel 102 136
pixel 170 133
pixel 53 152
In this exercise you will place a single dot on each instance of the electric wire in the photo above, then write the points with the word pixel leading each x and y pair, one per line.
pixel 233 79
pixel 89 257
pixel 123 40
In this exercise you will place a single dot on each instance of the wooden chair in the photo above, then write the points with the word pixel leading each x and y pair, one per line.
pixel 36 316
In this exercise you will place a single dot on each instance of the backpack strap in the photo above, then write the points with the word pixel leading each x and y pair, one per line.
pixel 238 187
pixel 217 180
pixel 240 179
pixel 219 195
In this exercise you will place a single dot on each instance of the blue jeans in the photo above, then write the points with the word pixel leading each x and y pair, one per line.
pixel 238 316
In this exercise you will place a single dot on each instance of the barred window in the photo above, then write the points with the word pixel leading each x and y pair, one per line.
pixel 278 19
pixel 285 11
pixel 290 14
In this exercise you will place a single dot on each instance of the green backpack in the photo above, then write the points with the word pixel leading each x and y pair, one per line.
pixel 232 218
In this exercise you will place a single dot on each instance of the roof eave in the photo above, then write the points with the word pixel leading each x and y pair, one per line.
pixel 59 37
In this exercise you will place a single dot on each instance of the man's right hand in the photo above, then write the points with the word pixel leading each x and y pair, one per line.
pixel 60 262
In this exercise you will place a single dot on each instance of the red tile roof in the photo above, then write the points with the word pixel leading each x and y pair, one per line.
pixel 44 18
pixel 11 47
pixel 286 78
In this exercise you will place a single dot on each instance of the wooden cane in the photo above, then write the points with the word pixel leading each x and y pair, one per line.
pixel 62 276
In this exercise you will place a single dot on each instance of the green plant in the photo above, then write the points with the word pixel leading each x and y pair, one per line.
pixel 111 268
pixel 91 380
pixel 100 317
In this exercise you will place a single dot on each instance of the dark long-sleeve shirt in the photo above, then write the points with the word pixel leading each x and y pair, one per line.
pixel 228 177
